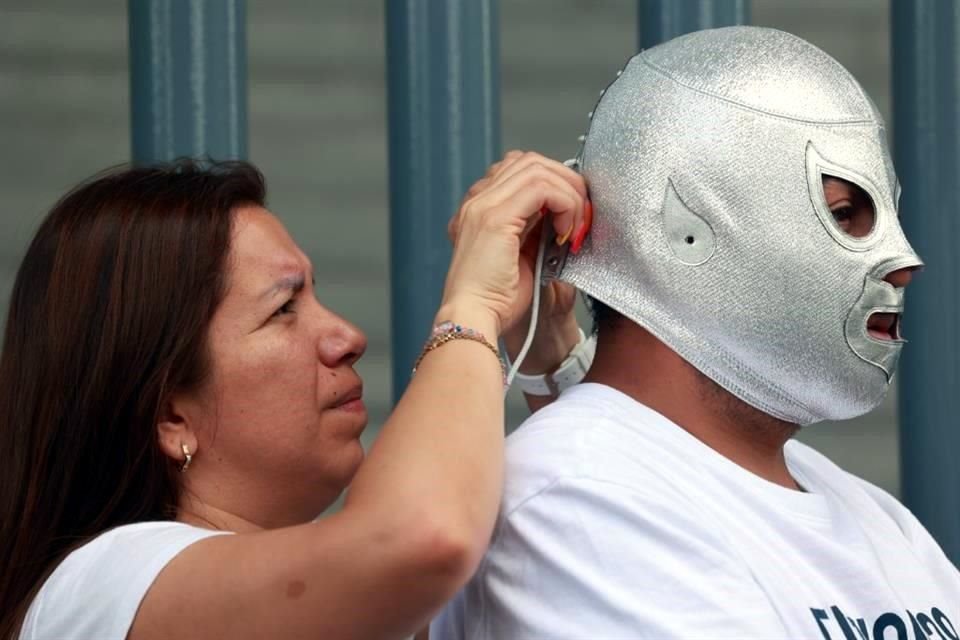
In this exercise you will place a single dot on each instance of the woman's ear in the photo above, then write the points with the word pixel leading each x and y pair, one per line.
pixel 175 434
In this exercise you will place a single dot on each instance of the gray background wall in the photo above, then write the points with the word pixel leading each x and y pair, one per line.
pixel 318 131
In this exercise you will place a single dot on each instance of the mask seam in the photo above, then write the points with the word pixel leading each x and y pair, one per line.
pixel 768 113
pixel 836 65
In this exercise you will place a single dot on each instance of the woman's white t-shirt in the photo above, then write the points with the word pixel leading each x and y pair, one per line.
pixel 96 591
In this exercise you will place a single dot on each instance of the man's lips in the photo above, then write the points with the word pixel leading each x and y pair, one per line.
pixel 884 326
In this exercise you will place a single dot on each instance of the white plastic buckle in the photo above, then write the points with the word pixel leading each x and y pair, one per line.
pixel 570 372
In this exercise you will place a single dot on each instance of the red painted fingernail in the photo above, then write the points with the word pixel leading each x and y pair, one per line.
pixel 581 234
pixel 577 241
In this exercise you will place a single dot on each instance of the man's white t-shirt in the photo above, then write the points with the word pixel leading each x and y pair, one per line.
pixel 96 591
pixel 617 523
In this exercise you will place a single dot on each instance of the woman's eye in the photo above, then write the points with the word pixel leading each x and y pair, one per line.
pixel 286 308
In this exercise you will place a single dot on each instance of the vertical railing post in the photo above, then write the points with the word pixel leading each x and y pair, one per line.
pixel 926 124
pixel 444 129
pixel 661 20
pixel 188 79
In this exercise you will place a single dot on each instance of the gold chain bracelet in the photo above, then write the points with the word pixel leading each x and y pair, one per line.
pixel 448 332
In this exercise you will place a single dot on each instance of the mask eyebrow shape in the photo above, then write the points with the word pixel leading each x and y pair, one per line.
pixel 689 236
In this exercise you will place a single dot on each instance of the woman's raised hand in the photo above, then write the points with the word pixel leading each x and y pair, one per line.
pixel 498 215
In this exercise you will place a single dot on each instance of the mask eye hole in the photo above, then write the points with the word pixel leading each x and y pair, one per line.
pixel 852 209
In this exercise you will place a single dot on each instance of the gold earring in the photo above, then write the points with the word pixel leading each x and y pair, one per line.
pixel 187 458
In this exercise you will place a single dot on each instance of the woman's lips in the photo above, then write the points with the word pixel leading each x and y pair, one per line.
pixel 355 406
pixel 352 400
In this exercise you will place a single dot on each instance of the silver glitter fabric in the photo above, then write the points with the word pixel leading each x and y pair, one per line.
pixel 705 160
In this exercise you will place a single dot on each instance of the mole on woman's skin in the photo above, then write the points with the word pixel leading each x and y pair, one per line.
pixel 295 589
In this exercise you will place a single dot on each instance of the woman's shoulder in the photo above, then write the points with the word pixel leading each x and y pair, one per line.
pixel 96 590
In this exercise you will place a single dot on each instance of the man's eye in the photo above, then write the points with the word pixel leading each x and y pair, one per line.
pixel 843 213
pixel 286 308
pixel 844 217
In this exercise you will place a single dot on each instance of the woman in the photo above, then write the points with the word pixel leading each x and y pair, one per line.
pixel 168 376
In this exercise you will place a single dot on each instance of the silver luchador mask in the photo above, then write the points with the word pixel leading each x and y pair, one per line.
pixel 704 160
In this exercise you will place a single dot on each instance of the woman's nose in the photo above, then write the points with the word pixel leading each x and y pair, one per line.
pixel 342 344
pixel 901 277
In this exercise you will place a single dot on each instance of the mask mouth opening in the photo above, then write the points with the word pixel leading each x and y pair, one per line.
pixel 884 326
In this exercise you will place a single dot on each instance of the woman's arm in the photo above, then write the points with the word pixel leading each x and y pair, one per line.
pixel 420 510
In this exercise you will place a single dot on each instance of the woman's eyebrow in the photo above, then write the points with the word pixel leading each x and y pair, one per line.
pixel 293 282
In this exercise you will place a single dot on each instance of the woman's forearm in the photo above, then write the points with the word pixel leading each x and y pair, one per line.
pixel 437 464
pixel 431 485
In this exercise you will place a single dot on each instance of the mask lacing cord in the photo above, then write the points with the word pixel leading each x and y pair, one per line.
pixel 545 235
pixel 534 310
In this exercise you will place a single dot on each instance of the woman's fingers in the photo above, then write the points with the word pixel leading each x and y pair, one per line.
pixel 513 163
pixel 508 159
pixel 525 192
pixel 494 170
pixel 520 162
pixel 479 187
pixel 565 228
pixel 498 222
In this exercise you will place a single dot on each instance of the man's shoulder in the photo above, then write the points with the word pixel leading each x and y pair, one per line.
pixel 592 433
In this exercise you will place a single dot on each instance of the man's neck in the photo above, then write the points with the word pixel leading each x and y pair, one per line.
pixel 635 363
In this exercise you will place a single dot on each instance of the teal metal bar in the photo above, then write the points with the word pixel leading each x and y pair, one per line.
pixel 926 86
pixel 444 129
pixel 661 20
pixel 188 79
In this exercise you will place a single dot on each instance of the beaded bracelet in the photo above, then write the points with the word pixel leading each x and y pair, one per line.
pixel 447 332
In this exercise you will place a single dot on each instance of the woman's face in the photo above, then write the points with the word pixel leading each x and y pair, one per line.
pixel 282 412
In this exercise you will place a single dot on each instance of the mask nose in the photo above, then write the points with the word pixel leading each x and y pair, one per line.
pixel 901 277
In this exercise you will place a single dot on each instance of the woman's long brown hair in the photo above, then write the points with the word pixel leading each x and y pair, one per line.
pixel 108 316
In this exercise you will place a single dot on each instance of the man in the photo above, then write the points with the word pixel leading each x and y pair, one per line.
pixel 747 268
